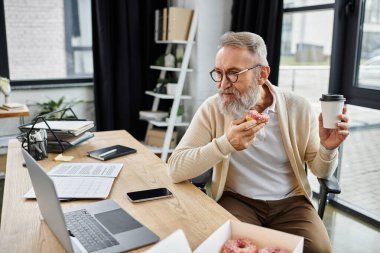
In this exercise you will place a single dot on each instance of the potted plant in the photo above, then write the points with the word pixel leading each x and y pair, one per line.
pixel 166 85
pixel 180 113
pixel 55 105
pixel 160 61
pixel 171 85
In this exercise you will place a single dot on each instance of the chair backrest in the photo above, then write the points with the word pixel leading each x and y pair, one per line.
pixel 201 180
pixel 326 186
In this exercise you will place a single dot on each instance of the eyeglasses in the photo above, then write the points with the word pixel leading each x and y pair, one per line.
pixel 231 76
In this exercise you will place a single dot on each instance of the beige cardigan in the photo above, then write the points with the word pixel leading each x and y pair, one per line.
pixel 205 143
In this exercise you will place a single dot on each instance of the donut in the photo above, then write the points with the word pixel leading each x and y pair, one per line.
pixel 273 250
pixel 255 115
pixel 239 246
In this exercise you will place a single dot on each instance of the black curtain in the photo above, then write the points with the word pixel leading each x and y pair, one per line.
pixel 4 69
pixel 263 17
pixel 123 49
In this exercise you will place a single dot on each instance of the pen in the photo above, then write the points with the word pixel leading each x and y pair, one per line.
pixel 108 152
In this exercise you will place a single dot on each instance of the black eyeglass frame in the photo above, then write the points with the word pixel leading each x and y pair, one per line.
pixel 236 74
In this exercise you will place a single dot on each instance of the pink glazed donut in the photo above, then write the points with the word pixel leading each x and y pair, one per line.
pixel 255 115
pixel 239 246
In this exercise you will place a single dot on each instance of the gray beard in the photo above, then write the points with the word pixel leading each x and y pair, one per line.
pixel 241 104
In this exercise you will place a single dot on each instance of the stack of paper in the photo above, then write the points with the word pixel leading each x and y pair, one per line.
pixel 67 140
pixel 73 127
pixel 12 106
pixel 82 180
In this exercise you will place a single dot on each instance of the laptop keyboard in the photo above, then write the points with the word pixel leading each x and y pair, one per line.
pixel 88 231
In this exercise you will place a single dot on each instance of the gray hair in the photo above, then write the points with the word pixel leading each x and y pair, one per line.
pixel 251 41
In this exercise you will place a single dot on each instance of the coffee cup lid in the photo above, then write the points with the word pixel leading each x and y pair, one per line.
pixel 332 97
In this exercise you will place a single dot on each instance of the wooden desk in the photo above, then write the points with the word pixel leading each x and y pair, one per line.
pixel 22 226
pixel 15 113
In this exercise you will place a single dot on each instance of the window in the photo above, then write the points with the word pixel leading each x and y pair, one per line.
pixel 369 64
pixel 306 50
pixel 48 40
pixel 334 46
pixel 354 74
pixel 306 42
pixel 355 48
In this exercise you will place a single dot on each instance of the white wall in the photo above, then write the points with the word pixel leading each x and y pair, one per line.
pixel 214 19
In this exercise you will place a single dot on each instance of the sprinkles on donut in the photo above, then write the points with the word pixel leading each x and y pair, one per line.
pixel 255 115
pixel 239 246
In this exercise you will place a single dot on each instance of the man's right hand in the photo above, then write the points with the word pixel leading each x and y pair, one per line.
pixel 242 133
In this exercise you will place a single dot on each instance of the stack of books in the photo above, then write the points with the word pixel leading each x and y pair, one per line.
pixel 153 115
pixel 68 132
pixel 172 23
pixel 72 127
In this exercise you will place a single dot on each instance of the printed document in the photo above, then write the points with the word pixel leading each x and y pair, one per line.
pixel 82 180
pixel 79 187
pixel 86 170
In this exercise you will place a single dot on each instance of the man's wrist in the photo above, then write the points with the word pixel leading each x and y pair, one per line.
pixel 327 152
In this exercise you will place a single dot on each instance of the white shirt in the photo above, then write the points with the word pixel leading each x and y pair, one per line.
pixel 263 171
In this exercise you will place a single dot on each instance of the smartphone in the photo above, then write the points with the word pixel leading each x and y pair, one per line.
pixel 157 193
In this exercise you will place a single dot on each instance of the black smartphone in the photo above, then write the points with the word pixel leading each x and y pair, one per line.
pixel 157 193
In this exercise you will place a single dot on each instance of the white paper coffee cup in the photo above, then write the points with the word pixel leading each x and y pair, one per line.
pixel 332 106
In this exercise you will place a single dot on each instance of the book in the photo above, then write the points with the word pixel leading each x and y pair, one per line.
pixel 107 153
pixel 73 127
pixel 158 25
pixel 165 24
pixel 179 21
pixel 153 115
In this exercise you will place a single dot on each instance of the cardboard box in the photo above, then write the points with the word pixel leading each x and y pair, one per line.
pixel 156 137
pixel 174 243
pixel 262 237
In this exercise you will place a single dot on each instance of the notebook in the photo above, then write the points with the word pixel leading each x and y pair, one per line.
pixel 111 152
pixel 102 226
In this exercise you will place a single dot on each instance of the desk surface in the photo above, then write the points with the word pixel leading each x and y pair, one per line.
pixel 22 226
pixel 14 113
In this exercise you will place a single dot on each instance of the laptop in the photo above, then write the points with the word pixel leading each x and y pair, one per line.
pixel 102 226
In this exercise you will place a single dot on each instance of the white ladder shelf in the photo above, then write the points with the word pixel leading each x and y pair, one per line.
pixel 178 96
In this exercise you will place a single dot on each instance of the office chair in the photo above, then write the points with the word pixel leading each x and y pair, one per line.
pixel 201 181
pixel 326 186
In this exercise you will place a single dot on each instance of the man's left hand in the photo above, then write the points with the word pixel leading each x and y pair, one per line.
pixel 332 138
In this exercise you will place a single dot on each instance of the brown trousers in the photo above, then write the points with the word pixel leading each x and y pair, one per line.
pixel 294 215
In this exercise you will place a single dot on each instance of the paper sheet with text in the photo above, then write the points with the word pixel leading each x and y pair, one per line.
pixel 86 170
